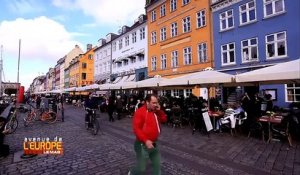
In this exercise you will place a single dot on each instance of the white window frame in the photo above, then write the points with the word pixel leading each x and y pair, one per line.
pixel 228 54
pixel 163 34
pixel 163 61
pixel 153 15
pixel 226 17
pixel 142 33
pixel 188 92
pixel 185 2
pixel 153 37
pixel 187 56
pixel 247 11
pixel 174 29
pixel 293 88
pixel 173 5
pixel 202 53
pixel 249 48
pixel 133 35
pixel 275 42
pixel 153 63
pixel 120 44
pixel 127 40
pixel 163 10
pixel 174 59
pixel 186 24
pixel 114 46
pixel 273 4
pixel 201 18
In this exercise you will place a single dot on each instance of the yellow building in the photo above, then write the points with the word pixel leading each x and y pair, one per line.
pixel 179 37
pixel 74 71
pixel 86 67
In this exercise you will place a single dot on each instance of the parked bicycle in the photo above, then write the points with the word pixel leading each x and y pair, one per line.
pixel 92 121
pixel 48 116
pixel 12 124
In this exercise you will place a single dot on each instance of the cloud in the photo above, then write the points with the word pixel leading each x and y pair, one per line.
pixel 25 6
pixel 43 42
pixel 42 38
pixel 111 12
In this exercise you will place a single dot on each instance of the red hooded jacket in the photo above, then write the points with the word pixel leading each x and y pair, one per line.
pixel 145 126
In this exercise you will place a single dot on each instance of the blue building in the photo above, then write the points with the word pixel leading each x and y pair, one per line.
pixel 251 34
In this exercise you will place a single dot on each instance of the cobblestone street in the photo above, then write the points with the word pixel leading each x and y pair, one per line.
pixel 111 151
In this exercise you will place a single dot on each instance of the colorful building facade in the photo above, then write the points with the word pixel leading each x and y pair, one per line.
pixel 251 34
pixel 86 67
pixel 179 38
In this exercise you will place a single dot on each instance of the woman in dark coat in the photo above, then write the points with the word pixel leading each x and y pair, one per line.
pixel 110 108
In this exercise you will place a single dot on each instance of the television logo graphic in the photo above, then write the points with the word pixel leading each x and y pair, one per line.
pixel 39 145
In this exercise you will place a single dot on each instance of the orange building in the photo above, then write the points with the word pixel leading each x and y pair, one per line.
pixel 74 71
pixel 86 67
pixel 179 37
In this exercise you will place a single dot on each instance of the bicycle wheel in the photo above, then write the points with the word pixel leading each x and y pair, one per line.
pixel 29 118
pixel 51 118
pixel 95 126
pixel 13 125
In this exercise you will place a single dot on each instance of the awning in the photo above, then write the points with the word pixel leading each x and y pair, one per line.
pixel 209 77
pixel 287 72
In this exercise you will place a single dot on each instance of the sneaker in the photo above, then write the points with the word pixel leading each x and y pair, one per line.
pixel 129 173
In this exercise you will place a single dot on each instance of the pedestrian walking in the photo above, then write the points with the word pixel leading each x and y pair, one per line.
pixel 146 129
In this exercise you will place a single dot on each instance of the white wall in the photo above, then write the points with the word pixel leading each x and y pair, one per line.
pixel 131 49
pixel 62 76
pixel 102 57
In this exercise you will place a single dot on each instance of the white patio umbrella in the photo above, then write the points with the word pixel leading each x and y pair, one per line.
pixel 201 78
pixel 151 82
pixel 92 86
pixel 70 89
pixel 288 72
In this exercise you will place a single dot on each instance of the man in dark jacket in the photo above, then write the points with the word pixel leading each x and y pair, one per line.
pixel 146 129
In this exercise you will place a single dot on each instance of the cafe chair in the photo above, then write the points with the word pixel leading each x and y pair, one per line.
pixel 283 130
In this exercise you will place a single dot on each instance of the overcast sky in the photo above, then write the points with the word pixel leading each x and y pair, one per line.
pixel 49 29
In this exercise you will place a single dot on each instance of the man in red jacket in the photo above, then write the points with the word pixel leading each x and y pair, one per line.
pixel 146 128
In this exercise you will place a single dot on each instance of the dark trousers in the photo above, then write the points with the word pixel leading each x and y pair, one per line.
pixel 110 114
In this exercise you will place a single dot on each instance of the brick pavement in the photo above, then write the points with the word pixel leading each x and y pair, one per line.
pixel 111 151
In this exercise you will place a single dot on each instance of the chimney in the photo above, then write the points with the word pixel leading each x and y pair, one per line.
pixel 89 47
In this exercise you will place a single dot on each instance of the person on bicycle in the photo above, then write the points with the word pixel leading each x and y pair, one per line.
pixel 90 104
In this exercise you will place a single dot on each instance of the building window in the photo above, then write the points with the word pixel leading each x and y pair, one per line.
pixel 226 20
pixel 163 10
pixel 153 63
pixel 153 15
pixel 142 33
pixel 174 59
pixel 141 58
pixel 163 59
pixel 108 66
pixel 153 37
pixel 133 37
pixel 188 92
pixel 90 56
pixel 249 50
pixel 83 76
pixel 173 4
pixel 273 7
pixel 120 44
pixel 292 92
pixel 133 60
pixel 163 34
pixel 114 46
pixel 187 55
pixel 186 24
pixel 276 45
pixel 185 2
pixel 104 67
pixel 202 53
pixel 125 62
pixel 126 40
pixel 228 55
pixel 201 19
pixel 247 12
pixel 119 64
pixel 174 29
pixel 84 65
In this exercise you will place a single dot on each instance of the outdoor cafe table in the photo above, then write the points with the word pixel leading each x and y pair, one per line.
pixel 270 120
pixel 214 115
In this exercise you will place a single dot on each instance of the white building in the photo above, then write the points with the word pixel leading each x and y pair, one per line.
pixel 102 59
pixel 129 52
